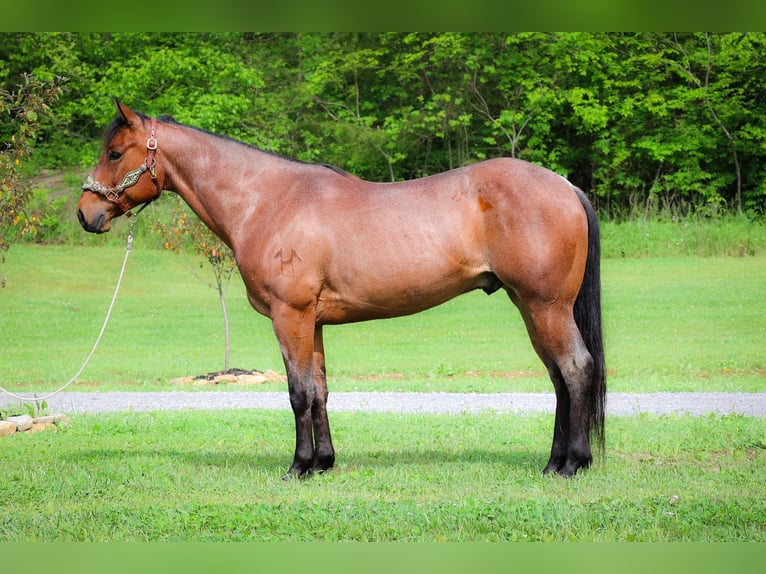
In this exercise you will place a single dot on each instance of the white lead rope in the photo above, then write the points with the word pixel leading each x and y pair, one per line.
pixel 128 249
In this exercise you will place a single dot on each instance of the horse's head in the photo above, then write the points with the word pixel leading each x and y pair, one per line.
pixel 120 181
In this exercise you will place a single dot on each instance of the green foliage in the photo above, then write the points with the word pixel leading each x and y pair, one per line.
pixel 23 109
pixel 645 122
pixel 34 409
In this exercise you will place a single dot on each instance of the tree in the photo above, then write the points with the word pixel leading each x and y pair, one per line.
pixel 643 122
pixel 721 69
pixel 186 230
pixel 25 108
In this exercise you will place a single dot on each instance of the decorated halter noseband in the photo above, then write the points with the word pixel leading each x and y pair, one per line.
pixel 130 179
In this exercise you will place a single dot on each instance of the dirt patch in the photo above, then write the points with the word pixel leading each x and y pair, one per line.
pixel 493 374
pixel 57 181
pixel 505 374
pixel 232 377
pixel 726 372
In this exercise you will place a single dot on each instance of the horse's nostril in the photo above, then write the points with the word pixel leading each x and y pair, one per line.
pixel 96 227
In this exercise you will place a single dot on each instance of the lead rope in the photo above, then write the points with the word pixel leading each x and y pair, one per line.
pixel 128 249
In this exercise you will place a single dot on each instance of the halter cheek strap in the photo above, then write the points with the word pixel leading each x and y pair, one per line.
pixel 130 179
pixel 151 147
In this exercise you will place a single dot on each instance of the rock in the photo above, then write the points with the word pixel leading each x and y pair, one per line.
pixel 61 418
pixel 27 424
pixel 44 419
pixel 7 428
pixel 22 422
pixel 57 418
pixel 37 427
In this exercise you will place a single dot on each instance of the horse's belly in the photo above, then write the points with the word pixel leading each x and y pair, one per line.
pixel 382 298
pixel 402 265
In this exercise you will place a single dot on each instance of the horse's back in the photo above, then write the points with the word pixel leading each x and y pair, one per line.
pixel 394 249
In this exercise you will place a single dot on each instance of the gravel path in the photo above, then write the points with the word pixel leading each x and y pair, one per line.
pixel 625 404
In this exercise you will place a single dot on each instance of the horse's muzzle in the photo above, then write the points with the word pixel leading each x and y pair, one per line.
pixel 92 227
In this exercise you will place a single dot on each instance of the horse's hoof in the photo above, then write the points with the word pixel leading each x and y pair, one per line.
pixel 295 473
pixel 571 467
pixel 567 472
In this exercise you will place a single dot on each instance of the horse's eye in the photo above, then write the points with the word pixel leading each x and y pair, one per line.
pixel 114 155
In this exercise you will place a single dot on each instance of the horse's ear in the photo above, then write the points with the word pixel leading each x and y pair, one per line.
pixel 128 115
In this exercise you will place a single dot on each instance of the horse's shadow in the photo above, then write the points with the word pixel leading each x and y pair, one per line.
pixel 434 456
pixel 278 461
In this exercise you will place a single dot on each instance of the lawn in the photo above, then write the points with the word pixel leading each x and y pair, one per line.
pixel 674 324
pixel 684 323
pixel 210 476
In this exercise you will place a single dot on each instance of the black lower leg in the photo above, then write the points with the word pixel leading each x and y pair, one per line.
pixel 559 447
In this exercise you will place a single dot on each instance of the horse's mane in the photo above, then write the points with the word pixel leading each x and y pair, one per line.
pixel 120 122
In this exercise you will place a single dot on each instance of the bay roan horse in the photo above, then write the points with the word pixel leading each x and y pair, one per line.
pixel 317 246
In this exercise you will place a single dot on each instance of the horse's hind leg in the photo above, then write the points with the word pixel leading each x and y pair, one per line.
pixel 573 363
pixel 557 341
pixel 560 446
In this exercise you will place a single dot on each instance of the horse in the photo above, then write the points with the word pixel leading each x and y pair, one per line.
pixel 318 246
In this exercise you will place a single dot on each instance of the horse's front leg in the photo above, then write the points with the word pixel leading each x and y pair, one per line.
pixel 324 453
pixel 294 329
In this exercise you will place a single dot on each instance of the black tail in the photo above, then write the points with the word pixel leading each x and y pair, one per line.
pixel 587 315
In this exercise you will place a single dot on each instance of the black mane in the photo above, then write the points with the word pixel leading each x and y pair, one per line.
pixel 120 122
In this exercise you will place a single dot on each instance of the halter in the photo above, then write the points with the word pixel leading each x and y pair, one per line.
pixel 130 179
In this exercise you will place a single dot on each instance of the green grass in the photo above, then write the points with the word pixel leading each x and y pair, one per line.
pixel 206 476
pixel 735 236
pixel 676 324
pixel 672 323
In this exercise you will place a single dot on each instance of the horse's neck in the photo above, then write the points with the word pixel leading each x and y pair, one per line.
pixel 211 175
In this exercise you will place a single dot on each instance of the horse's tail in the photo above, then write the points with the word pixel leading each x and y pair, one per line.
pixel 587 315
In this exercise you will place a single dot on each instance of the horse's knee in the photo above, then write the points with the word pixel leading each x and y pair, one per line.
pixel 302 396
pixel 577 372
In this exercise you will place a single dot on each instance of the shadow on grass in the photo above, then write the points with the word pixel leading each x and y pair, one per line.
pixel 278 462
pixel 416 457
